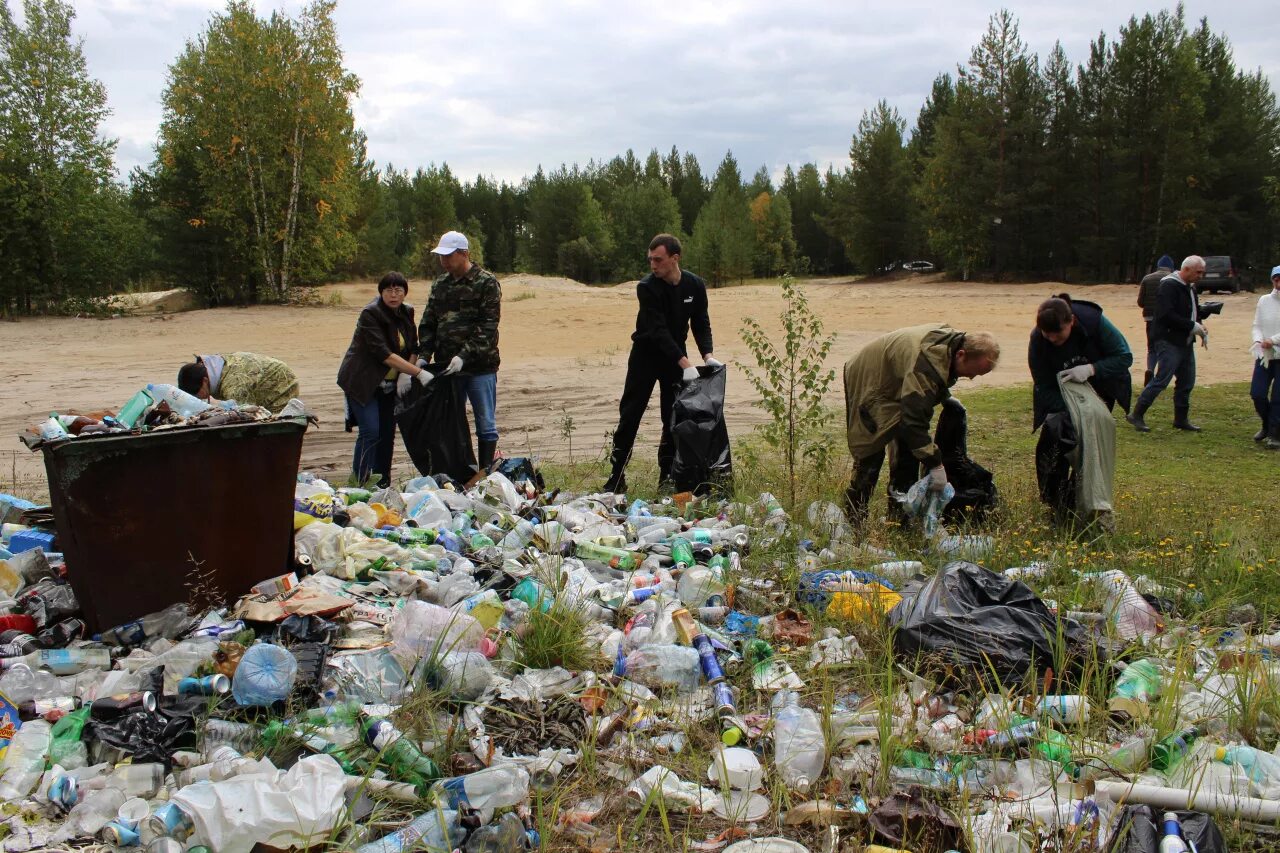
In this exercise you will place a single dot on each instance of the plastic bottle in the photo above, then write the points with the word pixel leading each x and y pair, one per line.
pixel 1135 688
pixel 520 536
pixel 661 665
pixel 533 593
pixel 94 810
pixel 224 762
pixel 1126 609
pixel 697 584
pixel 22 685
pixel 277 731
pixel 167 623
pixel 52 429
pixel 1169 751
pixel 507 834
pixel 179 401
pixel 23 762
pixel 432 830
pixel 614 558
pixel 62 661
pixel 799 751
pixel 491 788
pixel 401 756
pixel 1261 767
pixel 242 737
pixel 66 748
pixel 138 780
pixel 1171 838
pixel 681 552
pixel 265 675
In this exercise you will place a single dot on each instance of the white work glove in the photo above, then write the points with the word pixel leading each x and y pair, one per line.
pixel 455 365
pixel 937 478
pixel 712 361
pixel 690 374
pixel 403 382
pixel 1079 373
pixel 424 377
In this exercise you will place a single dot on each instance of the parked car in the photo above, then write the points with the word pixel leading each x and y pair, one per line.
pixel 918 266
pixel 1221 272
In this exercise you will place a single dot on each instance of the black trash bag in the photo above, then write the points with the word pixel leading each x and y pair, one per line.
pixel 1054 474
pixel 702 461
pixel 147 736
pixel 519 469
pixel 1139 828
pixel 975 486
pixel 433 423
pixel 973 627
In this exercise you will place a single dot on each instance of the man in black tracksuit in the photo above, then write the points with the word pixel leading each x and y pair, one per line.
pixel 1176 326
pixel 672 301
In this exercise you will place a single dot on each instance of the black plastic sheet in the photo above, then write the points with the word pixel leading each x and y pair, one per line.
pixel 1139 828
pixel 702 459
pixel 975 486
pixel 433 423
pixel 972 626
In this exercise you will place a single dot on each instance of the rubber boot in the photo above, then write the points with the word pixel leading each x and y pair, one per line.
pixel 617 482
pixel 1272 441
pixel 1135 418
pixel 1262 433
pixel 1180 421
pixel 484 454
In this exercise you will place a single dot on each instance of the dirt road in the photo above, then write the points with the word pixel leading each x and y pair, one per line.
pixel 564 350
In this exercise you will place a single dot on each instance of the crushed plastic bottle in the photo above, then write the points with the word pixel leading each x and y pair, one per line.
pixel 437 829
pixel 23 762
pixel 799 750
pixel 265 675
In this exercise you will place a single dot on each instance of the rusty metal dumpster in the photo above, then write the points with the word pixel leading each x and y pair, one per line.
pixel 137 514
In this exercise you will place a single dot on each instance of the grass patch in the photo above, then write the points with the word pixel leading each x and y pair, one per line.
pixel 556 637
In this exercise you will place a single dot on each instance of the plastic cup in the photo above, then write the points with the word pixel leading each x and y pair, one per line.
pixel 737 767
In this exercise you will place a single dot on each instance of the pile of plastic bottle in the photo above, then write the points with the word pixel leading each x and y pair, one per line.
pixel 290 716
pixel 156 405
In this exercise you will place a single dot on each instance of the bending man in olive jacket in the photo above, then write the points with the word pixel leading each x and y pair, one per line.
pixel 890 390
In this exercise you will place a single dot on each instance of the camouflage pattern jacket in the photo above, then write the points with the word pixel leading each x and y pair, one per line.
pixel 461 318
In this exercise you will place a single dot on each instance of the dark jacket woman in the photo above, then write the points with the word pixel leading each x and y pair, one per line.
pixel 377 364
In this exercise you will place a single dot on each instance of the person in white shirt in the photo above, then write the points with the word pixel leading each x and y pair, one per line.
pixel 1265 388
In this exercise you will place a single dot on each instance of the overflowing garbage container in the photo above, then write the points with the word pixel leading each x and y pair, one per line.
pixel 433 668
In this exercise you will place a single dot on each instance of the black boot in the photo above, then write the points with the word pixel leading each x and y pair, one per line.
pixel 1272 441
pixel 1262 433
pixel 617 482
pixel 1180 421
pixel 484 454
pixel 1135 418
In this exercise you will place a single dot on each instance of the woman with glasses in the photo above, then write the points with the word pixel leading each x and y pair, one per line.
pixel 377 366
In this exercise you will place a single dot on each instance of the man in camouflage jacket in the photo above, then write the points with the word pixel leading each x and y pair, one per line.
pixel 460 327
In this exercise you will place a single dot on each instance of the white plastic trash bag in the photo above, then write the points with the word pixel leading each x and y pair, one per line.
pixel 281 809
pixel 346 554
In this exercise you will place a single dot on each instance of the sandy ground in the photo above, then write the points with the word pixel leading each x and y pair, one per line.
pixel 564 350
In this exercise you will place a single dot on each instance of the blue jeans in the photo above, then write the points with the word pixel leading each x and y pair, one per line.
pixel 1266 382
pixel 1172 362
pixel 482 391
pixel 376 439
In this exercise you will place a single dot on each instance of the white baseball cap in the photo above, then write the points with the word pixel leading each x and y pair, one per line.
pixel 451 242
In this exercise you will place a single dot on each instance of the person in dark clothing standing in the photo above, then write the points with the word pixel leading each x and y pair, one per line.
pixel 1175 328
pixel 377 366
pixel 1147 302
pixel 672 301
pixel 1071 342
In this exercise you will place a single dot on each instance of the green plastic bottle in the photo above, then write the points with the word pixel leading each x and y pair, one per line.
pixel 66 737
pixel 614 558
pixel 1169 751
pixel 400 755
pixel 278 730
pixel 681 552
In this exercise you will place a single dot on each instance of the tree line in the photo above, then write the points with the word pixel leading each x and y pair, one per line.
pixel 1015 166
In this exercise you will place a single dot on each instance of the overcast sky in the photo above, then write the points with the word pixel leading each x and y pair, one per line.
pixel 500 87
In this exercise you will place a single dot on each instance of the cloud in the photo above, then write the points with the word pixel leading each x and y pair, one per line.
pixel 500 86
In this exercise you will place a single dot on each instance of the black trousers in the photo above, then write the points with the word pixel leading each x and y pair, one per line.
pixel 644 368
pixel 903 474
